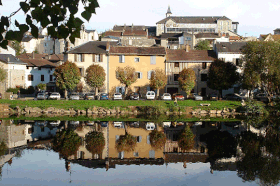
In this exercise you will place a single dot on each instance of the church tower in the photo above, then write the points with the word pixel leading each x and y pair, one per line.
pixel 168 13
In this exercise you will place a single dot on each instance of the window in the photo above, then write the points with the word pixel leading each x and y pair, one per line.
pixel 22 77
pixel 152 154
pixel 176 76
pixel 176 64
pixel 139 139
pixel 30 77
pixel 39 68
pixel 153 60
pixel 136 154
pixel 148 140
pixel 150 74
pixel 237 62
pixel 203 77
pixel 27 67
pixel 121 58
pixel 99 58
pixel 42 78
pixel 79 57
pixel 81 71
pixel 46 44
pixel 137 59
pixel 51 77
pixel 204 65
pixel 139 75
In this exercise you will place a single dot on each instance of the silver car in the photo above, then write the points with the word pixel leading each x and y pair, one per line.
pixel 42 96
pixel 117 96
pixel 74 96
pixel 54 95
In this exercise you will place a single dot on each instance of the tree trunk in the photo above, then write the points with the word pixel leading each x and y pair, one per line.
pixel 220 93
pixel 65 94
pixel 96 91
pixel 157 93
pixel 126 90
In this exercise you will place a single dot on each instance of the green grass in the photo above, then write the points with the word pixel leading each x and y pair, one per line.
pixel 86 104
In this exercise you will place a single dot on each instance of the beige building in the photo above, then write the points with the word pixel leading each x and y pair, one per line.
pixel 198 60
pixel 143 59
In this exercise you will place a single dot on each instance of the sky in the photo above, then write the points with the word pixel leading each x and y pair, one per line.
pixel 254 17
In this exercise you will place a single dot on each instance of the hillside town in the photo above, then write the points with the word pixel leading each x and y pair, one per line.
pixel 172 44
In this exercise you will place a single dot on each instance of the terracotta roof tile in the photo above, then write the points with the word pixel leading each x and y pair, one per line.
pixel 115 34
pixel 91 47
pixel 116 50
pixel 276 37
pixel 38 63
pixel 190 19
pixel 191 56
pixel 134 33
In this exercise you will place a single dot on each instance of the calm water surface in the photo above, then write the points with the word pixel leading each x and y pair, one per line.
pixel 223 153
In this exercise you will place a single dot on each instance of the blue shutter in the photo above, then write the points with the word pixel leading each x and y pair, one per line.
pixel 117 89
pixel 148 88
pixel 123 90
pixel 120 59
pixel 153 60
pixel 117 137
pixel 148 140
pixel 152 154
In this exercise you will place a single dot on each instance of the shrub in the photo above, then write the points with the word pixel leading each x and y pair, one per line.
pixel 42 86
pixel 3 148
pixel 186 139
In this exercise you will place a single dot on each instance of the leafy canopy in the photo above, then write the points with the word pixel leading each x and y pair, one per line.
pixel 157 139
pixel 126 143
pixel 95 142
pixel 186 139
pixel 203 45
pixel 67 75
pixel 3 74
pixel 126 75
pixel 95 76
pixel 158 79
pixel 58 16
pixel 187 80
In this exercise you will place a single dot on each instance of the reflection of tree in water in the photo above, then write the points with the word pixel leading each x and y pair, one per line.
pixel 126 143
pixel 259 159
pixel 3 148
pixel 157 138
pixel 95 142
pixel 220 145
pixel 186 139
pixel 67 143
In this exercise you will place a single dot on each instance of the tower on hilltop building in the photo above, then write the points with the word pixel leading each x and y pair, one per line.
pixel 168 13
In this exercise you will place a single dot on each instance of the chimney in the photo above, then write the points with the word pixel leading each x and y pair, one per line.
pixel 33 55
pixel 107 46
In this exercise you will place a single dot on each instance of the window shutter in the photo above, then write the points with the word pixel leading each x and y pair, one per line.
pixel 148 88
pixel 152 154
pixel 149 74
pixel 148 140
pixel 117 89
pixel 101 57
pixel 83 58
pixel 117 137
pixel 75 56
pixel 120 58
pixel 93 57
pixel 139 139
pixel 153 60
pixel 141 75
pixel 123 90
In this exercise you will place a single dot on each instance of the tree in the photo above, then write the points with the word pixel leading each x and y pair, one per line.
pixel 158 79
pixel 95 142
pixel 3 74
pixel 18 47
pixel 59 17
pixel 187 80
pixel 95 77
pixel 203 45
pixel 126 143
pixel 42 86
pixel 3 148
pixel 222 76
pixel 67 76
pixel 126 76
pixel 157 139
pixel 80 87
pixel 67 143
pixel 186 139
pixel 261 66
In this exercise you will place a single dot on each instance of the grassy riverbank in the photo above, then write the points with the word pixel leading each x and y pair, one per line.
pixel 88 104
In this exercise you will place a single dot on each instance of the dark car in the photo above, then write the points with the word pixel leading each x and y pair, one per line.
pixel 213 96
pixel 134 96
pixel 235 97
pixel 104 96
pixel 89 96
pixel 178 96
pixel 104 124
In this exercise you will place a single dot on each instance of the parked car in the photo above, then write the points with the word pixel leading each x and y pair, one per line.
pixel 213 96
pixel 104 124
pixel 103 96
pixel 118 124
pixel 0 95
pixel 166 97
pixel 150 126
pixel 74 122
pixel 42 96
pixel 89 96
pixel 178 96
pixel 74 96
pixel 117 96
pixel 150 95
pixel 195 96
pixel 54 95
pixel 166 124
pixel 234 96
pixel 262 97
pixel 134 96
pixel 54 123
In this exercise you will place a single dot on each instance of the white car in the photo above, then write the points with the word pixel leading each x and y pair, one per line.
pixel 74 96
pixel 150 95
pixel 117 96
pixel 118 124
pixel 166 124
pixel 54 95
pixel 166 96
pixel 42 96
pixel 150 126
pixel 55 123
pixel 197 97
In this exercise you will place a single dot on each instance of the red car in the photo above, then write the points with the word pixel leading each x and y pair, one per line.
pixel 178 96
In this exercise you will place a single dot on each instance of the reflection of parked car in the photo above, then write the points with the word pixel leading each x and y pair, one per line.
pixel 104 96
pixel 42 96
pixel 235 97
pixel 104 124
pixel 89 96
pixel 213 96
pixel 54 95
pixel 117 96
pixel 195 96
pixel 74 96
pixel 41 123
pixel 261 97
pixel 178 96
pixel 166 124
pixel 55 123
pixel 150 126
pixel 150 95
pixel 118 124
pixel 90 123
pixel 166 96
pixel 134 96
pixel 134 124
pixel 74 122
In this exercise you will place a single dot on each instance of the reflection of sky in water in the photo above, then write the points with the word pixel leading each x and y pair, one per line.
pixel 42 167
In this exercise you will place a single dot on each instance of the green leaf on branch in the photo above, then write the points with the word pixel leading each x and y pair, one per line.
pixel 34 31
pixel 24 6
pixel 86 15
pixel 5 21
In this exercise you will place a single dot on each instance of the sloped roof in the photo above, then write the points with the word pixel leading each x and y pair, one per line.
pixel 134 33
pixel 112 33
pixel 30 55
pixel 185 157
pixel 195 19
pixel 191 56
pixel 128 27
pixel 207 35
pixel 130 50
pixel 170 35
pixel 55 57
pixel 230 47
pixel 234 38
pixel 9 58
pixel 91 47
pixel 276 37
pixel 39 63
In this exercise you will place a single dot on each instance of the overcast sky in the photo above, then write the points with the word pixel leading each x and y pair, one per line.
pixel 254 17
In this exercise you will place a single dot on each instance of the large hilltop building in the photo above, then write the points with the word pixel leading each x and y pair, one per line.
pixel 196 24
